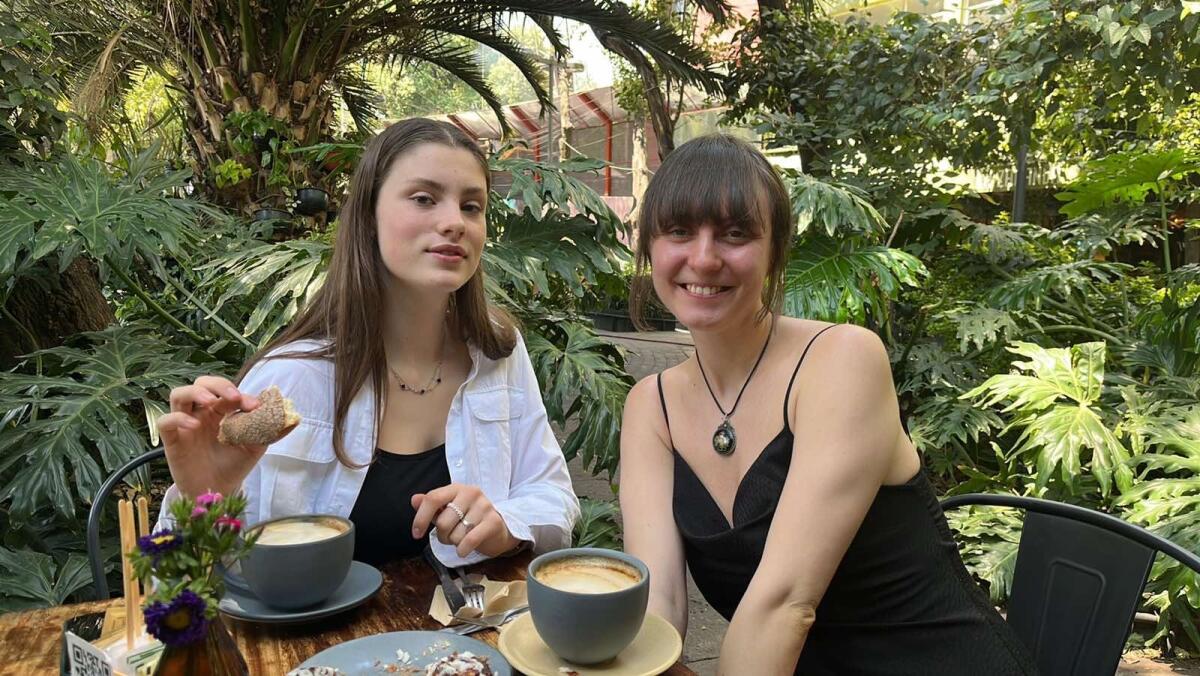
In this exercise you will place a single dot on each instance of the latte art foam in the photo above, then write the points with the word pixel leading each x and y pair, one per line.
pixel 588 575
pixel 296 532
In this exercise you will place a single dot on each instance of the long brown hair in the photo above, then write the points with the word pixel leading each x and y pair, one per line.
pixel 721 179
pixel 346 313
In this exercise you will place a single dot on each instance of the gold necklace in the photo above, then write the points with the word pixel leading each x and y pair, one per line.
pixel 434 380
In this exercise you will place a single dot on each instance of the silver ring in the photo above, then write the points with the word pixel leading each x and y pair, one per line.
pixel 454 508
pixel 466 524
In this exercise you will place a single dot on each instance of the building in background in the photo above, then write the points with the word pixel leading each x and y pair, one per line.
pixel 592 124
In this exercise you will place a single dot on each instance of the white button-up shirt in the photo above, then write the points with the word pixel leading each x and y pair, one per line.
pixel 497 438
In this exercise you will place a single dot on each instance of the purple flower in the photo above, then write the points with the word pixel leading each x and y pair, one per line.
pixel 198 512
pixel 157 544
pixel 206 500
pixel 180 622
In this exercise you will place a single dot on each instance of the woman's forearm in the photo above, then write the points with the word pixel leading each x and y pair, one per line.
pixel 671 609
pixel 766 640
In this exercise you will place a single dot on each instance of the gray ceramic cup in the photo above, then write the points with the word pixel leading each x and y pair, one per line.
pixel 301 574
pixel 587 628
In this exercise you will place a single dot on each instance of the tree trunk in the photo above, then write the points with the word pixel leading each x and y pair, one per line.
pixel 656 102
pixel 45 309
pixel 301 111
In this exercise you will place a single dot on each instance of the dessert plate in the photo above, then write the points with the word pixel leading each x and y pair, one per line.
pixel 403 652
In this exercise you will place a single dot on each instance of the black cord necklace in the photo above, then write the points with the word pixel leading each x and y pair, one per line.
pixel 724 440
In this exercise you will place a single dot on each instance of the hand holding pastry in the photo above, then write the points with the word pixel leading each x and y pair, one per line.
pixel 208 452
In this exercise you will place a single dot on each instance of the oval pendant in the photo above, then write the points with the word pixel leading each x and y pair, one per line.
pixel 724 440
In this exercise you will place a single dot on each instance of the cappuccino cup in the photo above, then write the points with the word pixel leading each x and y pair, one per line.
pixel 298 561
pixel 587 604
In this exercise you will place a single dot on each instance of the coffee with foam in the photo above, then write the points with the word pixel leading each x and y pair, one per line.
pixel 298 532
pixel 588 575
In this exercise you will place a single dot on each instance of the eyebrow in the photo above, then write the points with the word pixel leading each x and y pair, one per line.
pixel 434 186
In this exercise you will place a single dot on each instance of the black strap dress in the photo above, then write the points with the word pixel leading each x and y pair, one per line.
pixel 900 601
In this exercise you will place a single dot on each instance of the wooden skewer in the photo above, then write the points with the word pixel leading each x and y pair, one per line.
pixel 143 513
pixel 125 516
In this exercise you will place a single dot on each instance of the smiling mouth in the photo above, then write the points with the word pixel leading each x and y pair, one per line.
pixel 704 291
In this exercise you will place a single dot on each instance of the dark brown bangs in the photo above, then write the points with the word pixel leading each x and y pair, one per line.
pixel 718 185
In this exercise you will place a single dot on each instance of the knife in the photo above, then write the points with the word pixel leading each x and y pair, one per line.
pixel 454 595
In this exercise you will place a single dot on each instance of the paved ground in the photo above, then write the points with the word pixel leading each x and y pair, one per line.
pixel 651 352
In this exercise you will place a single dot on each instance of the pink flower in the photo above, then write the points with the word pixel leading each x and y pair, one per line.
pixel 226 521
pixel 199 511
pixel 207 499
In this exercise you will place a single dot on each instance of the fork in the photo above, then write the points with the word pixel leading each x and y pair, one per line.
pixel 487 622
pixel 473 591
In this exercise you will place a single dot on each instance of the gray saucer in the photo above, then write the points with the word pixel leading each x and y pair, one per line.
pixel 360 584
pixel 378 654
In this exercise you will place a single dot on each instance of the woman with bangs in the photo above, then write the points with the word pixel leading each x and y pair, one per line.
pixel 772 464
pixel 422 420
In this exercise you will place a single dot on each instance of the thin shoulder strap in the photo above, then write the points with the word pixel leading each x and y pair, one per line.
pixel 663 400
pixel 787 397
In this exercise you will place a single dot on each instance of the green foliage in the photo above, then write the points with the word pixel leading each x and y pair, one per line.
pixel 30 87
pixel 234 280
pixel 598 525
pixel 1054 404
pixel 841 209
pixel 84 415
pixel 34 580
pixel 231 172
pixel 840 282
pixel 988 538
pixel 76 205
pixel 582 377
pixel 1126 178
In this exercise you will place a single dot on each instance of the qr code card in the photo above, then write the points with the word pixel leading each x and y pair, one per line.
pixel 87 659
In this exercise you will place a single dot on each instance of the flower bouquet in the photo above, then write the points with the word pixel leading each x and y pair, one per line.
pixel 180 563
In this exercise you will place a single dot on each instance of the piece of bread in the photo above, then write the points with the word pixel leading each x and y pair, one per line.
pixel 268 423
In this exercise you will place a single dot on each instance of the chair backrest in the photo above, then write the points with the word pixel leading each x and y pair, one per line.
pixel 1079 577
pixel 95 555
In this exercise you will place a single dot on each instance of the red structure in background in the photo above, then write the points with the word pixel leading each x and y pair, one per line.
pixel 608 138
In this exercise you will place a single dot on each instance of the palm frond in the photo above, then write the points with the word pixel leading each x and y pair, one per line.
pixel 555 38
pixel 460 62
pixel 363 103
pixel 608 18
pixel 499 41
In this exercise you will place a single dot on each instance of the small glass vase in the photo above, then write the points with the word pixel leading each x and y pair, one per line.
pixel 216 654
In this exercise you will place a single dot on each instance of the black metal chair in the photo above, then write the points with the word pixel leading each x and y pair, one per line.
pixel 1078 579
pixel 95 555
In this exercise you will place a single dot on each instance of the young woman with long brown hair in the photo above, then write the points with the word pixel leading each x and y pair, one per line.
pixel 773 465
pixel 418 401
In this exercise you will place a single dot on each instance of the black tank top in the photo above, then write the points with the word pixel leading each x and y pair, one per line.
pixel 900 601
pixel 383 513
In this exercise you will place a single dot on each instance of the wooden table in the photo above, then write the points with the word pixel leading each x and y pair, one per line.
pixel 30 641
